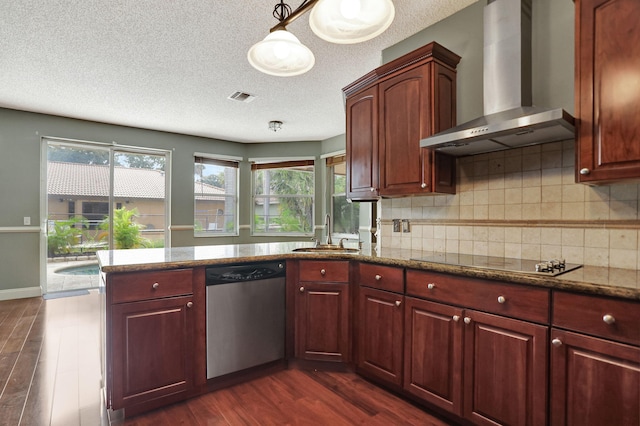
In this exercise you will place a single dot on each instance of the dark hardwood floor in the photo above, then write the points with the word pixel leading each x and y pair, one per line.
pixel 50 375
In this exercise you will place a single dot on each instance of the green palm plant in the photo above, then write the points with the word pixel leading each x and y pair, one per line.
pixel 126 233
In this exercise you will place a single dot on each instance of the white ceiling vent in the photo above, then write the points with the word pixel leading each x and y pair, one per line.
pixel 241 97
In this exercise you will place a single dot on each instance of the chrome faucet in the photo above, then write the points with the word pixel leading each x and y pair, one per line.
pixel 327 224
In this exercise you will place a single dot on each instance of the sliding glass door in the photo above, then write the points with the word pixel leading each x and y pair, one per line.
pixel 99 197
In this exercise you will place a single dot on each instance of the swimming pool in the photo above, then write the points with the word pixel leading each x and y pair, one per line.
pixel 84 269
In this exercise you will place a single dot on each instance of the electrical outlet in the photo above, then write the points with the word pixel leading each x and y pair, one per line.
pixel 405 225
pixel 27 220
pixel 396 225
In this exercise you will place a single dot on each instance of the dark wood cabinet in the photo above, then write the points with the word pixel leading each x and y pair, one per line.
pixel 409 111
pixel 153 338
pixel 363 180
pixel 322 312
pixel 389 111
pixel 433 353
pixel 505 370
pixel 490 369
pixel 593 381
pixel 152 350
pixel 595 361
pixel 607 90
pixel 380 334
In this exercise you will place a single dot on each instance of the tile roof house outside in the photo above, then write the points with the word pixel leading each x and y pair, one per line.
pixel 76 189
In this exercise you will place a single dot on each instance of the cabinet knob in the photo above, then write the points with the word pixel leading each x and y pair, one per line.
pixel 301 289
pixel 467 320
pixel 155 286
pixel 373 190
pixel 556 342
pixel 431 286
pixel 398 303
pixel 501 299
pixel 189 304
pixel 456 318
pixel 585 171
pixel 378 277
pixel 423 186
pixel 323 272
pixel 609 319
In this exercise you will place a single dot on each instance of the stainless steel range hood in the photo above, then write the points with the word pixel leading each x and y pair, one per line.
pixel 510 120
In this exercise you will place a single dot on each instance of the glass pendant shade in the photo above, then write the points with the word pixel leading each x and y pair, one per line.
pixel 351 21
pixel 281 54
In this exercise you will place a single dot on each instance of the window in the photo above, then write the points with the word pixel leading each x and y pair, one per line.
pixel 216 197
pixel 283 196
pixel 95 212
pixel 345 214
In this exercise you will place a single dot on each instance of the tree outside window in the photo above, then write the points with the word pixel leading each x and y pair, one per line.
pixel 345 214
pixel 283 197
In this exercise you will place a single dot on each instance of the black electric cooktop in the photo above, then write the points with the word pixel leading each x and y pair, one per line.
pixel 552 267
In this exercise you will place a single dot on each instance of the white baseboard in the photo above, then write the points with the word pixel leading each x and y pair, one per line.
pixel 20 293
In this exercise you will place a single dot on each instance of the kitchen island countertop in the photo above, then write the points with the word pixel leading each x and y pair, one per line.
pixel 624 283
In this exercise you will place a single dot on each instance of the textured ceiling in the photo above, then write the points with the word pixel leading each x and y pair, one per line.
pixel 170 65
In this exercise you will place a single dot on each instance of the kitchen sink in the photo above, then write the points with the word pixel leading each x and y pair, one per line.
pixel 326 248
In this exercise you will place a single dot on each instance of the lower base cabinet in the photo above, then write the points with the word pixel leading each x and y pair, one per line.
pixel 505 370
pixel 380 334
pixel 151 350
pixel 486 368
pixel 594 381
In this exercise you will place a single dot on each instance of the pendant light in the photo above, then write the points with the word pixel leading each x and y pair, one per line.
pixel 281 54
pixel 351 21
pixel 337 21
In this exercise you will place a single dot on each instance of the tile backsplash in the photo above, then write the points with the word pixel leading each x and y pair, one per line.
pixel 522 203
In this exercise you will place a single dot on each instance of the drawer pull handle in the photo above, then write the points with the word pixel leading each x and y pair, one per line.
pixel 585 171
pixel 155 286
pixel 301 289
pixel 609 319
pixel 189 304
pixel 501 299
pixel 431 286
pixel 398 303
pixel 423 186
pixel 456 318
pixel 378 277
pixel 556 342
pixel 467 320
pixel 322 272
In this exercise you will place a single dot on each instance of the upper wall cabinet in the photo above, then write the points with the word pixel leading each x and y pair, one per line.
pixel 607 90
pixel 389 111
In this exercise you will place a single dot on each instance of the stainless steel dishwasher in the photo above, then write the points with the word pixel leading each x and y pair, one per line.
pixel 245 316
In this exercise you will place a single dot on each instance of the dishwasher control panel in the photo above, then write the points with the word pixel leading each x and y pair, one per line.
pixel 244 272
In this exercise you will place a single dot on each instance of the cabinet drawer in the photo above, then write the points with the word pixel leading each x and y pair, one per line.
pixel 608 318
pixel 130 287
pixel 527 303
pixel 322 270
pixel 383 277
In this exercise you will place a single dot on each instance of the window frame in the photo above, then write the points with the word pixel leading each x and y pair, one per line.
pixel 257 164
pixel 222 161
pixel 331 162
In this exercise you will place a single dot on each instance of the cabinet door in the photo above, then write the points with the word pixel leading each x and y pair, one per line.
pixel 433 353
pixel 322 325
pixel 593 381
pixel 380 334
pixel 404 118
pixel 505 370
pixel 607 90
pixel 413 105
pixel 152 350
pixel 362 145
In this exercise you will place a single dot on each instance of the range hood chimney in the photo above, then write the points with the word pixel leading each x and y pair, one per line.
pixel 510 120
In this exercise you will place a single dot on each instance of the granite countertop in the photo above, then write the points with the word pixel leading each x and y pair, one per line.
pixel 623 283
